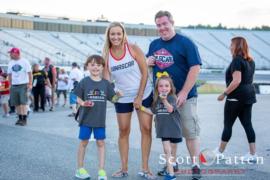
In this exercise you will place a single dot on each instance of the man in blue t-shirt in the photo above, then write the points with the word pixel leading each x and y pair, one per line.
pixel 178 55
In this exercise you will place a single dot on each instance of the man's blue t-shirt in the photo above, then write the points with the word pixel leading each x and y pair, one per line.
pixel 175 56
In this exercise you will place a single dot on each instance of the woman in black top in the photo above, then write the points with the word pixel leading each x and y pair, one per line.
pixel 240 93
pixel 40 78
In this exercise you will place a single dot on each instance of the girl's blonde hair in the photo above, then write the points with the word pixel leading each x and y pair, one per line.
pixel 156 93
pixel 108 45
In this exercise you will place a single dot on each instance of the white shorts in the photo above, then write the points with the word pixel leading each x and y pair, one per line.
pixel 4 99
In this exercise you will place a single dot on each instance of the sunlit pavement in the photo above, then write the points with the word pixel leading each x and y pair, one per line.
pixel 46 148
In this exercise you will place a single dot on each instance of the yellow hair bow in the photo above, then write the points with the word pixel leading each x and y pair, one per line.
pixel 160 74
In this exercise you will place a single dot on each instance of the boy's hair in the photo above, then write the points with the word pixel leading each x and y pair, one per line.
pixel 156 94
pixel 95 58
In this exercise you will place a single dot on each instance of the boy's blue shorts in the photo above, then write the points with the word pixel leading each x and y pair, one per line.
pixel 72 98
pixel 85 133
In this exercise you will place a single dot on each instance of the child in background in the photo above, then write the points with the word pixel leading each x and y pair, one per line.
pixel 48 94
pixel 92 94
pixel 62 86
pixel 73 100
pixel 167 121
pixel 4 92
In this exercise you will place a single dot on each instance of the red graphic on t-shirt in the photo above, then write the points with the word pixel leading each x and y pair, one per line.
pixel 4 85
pixel 163 58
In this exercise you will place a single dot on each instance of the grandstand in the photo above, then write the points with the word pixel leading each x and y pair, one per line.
pixel 66 41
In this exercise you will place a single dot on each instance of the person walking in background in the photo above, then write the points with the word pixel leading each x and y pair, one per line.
pixel 74 78
pixel 92 94
pixel 125 65
pixel 179 56
pixel 40 79
pixel 52 75
pixel 4 93
pixel 240 96
pixel 62 86
pixel 20 77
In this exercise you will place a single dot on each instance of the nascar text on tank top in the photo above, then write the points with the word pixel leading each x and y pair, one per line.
pixel 126 75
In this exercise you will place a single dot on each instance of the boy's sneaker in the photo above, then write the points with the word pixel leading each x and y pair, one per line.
pixel 102 174
pixel 163 171
pixel 196 172
pixel 169 177
pixel 82 174
pixel 250 158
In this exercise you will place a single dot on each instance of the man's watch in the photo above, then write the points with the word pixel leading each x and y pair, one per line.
pixel 225 94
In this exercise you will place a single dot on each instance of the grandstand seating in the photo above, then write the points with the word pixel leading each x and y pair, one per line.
pixel 65 48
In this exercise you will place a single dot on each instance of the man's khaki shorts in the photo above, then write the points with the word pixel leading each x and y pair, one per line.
pixel 189 119
pixel 18 95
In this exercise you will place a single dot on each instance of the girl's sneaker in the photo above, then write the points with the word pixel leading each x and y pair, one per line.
pixel 163 171
pixel 169 177
pixel 102 174
pixel 82 174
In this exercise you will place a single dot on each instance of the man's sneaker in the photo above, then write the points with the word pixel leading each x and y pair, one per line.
pixel 102 174
pixel 82 174
pixel 219 155
pixel 24 122
pixel 250 158
pixel 163 171
pixel 196 172
pixel 19 122
pixel 72 115
pixel 169 177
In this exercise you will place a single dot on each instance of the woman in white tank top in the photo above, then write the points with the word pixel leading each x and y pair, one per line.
pixel 125 64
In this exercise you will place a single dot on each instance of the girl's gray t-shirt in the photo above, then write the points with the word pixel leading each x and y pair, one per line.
pixel 98 92
pixel 167 124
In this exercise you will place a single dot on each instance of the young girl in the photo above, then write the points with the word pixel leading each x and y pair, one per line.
pixel 92 94
pixel 4 93
pixel 48 95
pixel 167 120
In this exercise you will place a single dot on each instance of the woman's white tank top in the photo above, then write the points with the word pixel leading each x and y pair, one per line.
pixel 126 75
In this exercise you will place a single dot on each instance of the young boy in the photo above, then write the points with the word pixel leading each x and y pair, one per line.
pixel 92 93
pixel 4 92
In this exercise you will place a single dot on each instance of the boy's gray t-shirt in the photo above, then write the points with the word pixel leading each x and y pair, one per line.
pixel 98 92
pixel 167 124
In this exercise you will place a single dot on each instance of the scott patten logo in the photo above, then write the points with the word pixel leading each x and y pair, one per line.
pixel 207 157
pixel 163 58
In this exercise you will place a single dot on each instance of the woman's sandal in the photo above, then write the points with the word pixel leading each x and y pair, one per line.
pixel 147 175
pixel 120 174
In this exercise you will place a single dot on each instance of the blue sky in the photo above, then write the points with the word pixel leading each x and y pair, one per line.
pixel 232 13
